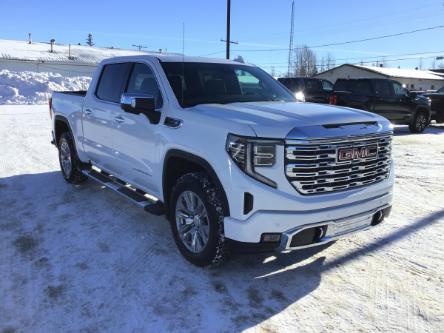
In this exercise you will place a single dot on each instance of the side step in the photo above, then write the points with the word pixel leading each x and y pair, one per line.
pixel 137 196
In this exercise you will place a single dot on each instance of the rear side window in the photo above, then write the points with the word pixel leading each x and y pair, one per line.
pixel 294 85
pixel 383 88
pixel 313 84
pixel 112 82
pixel 341 85
pixel 362 87
pixel 142 81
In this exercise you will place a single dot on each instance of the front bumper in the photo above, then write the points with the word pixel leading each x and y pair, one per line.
pixel 289 222
pixel 324 232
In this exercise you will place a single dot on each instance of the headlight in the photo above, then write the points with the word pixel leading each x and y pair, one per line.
pixel 249 153
pixel 300 97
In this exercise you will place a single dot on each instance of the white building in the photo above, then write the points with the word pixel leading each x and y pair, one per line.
pixel 410 78
pixel 67 60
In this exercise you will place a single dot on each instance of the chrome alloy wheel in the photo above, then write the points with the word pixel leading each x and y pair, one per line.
pixel 192 221
pixel 421 122
pixel 65 157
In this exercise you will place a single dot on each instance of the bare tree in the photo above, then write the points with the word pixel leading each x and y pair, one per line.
pixel 330 61
pixel 305 61
pixel 273 71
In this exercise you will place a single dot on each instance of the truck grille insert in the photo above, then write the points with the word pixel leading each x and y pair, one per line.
pixel 325 166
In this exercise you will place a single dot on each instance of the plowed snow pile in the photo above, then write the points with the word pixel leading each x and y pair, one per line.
pixel 36 88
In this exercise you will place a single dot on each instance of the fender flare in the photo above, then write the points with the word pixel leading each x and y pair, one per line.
pixel 199 161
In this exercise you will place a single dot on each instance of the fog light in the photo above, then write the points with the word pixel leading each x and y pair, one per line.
pixel 270 238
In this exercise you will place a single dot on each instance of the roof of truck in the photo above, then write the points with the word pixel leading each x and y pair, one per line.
pixel 178 58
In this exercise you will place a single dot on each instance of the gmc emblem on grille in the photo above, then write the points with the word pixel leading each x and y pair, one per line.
pixel 357 153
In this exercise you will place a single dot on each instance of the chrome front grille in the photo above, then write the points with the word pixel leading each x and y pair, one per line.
pixel 312 167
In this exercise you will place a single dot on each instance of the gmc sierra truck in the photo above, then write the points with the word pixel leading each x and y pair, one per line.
pixel 385 97
pixel 226 153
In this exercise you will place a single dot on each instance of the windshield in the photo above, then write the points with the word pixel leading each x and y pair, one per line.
pixel 441 90
pixel 201 83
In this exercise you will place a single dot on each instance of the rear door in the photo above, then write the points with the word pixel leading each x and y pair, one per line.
pixel 361 94
pixel 99 115
pixel 135 140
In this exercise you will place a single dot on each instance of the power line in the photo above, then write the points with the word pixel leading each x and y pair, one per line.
pixel 363 62
pixel 365 58
pixel 342 43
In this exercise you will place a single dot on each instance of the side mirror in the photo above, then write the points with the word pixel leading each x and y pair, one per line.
pixel 140 104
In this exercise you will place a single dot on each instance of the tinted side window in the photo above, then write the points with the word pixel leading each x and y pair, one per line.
pixel 112 82
pixel 362 87
pixel 341 85
pixel 327 85
pixel 142 81
pixel 382 88
pixel 312 85
pixel 398 89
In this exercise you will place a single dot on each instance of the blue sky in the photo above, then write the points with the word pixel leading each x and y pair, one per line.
pixel 256 25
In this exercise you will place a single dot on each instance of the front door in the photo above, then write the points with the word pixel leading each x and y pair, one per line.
pixel 385 101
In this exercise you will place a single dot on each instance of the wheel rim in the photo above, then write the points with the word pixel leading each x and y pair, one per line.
pixel 65 157
pixel 192 221
pixel 421 122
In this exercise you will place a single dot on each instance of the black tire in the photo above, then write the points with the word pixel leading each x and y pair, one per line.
pixel 419 122
pixel 72 175
pixel 215 250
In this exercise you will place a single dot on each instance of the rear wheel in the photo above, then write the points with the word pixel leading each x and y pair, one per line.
pixel 197 216
pixel 419 123
pixel 69 161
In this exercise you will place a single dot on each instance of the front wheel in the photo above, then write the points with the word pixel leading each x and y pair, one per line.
pixel 197 217
pixel 419 122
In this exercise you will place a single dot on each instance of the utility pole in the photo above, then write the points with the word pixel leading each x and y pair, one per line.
pixel 228 29
pixel 140 47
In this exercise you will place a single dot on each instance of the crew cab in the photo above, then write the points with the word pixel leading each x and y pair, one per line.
pixel 308 89
pixel 226 153
pixel 385 97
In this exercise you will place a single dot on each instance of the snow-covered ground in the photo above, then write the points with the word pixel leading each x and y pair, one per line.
pixel 27 87
pixel 82 259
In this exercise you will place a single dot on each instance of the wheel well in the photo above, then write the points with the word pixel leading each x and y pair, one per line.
pixel 425 110
pixel 60 127
pixel 178 163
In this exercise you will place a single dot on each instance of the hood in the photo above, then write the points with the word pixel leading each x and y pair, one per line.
pixel 279 119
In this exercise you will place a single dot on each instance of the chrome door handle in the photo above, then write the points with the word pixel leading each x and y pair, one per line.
pixel 119 119
pixel 88 111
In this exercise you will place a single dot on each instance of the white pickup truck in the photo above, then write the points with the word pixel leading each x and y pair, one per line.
pixel 226 153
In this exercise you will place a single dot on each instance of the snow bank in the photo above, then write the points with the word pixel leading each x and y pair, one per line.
pixel 35 88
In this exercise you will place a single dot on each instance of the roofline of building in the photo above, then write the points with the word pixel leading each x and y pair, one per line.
pixel 376 72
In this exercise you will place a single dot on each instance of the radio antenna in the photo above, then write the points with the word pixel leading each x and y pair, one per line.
pixel 182 79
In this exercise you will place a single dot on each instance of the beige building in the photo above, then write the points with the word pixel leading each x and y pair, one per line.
pixel 410 78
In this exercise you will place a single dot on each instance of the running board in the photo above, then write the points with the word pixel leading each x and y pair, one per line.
pixel 133 194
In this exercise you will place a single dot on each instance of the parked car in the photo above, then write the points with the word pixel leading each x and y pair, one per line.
pixel 309 89
pixel 385 97
pixel 226 153
pixel 437 107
